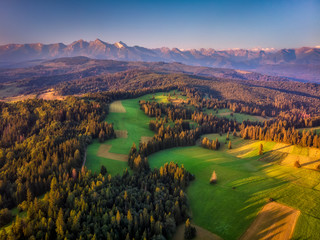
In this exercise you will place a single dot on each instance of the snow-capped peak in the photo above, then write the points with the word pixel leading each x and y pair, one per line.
pixel 120 44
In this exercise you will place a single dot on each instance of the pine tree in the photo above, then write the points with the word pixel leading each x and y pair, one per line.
pixel 129 216
pixel 234 133
pixel 118 217
pixel 260 149
pixel 189 231
pixel 103 170
pixel 60 225
pixel 229 145
pixel 77 156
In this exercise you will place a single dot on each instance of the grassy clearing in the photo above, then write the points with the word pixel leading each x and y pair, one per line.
pixel 275 221
pixel 315 129
pixel 94 162
pixel 239 117
pixel 163 97
pixel 9 90
pixel 131 125
pixel 134 121
pixel 244 187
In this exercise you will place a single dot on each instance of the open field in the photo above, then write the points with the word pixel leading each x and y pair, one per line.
pixel 103 151
pixel 239 117
pixel 244 186
pixel 134 121
pixel 275 221
pixel 131 126
pixel 163 97
pixel 116 107
pixel 94 161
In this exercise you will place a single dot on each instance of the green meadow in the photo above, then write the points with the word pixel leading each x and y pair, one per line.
pixel 135 122
pixel 244 186
pixel 239 117
pixel 95 162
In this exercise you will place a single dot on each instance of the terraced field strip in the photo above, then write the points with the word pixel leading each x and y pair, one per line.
pixel 103 151
pixel 274 221
pixel 117 107
pixel 121 133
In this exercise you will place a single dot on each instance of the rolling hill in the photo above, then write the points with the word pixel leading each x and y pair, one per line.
pixel 300 63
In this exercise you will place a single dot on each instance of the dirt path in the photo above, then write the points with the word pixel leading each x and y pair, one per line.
pixel 275 221
pixel 117 107
pixel 202 234
pixel 84 159
pixel 103 151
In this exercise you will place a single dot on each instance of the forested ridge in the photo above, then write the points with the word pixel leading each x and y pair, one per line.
pixel 90 206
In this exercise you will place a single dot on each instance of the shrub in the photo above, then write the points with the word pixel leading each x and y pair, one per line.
pixel 297 164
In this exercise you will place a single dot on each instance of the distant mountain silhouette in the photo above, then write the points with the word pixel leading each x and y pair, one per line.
pixel 300 63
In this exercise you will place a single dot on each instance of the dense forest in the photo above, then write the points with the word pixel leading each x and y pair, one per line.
pixel 44 139
pixel 89 206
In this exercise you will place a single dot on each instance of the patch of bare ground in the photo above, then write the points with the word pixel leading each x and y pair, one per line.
pixel 242 71
pixel 202 234
pixel 121 133
pixel 50 95
pixel 117 107
pixel 145 139
pixel 103 151
pixel 224 114
pixel 177 101
pixel 274 222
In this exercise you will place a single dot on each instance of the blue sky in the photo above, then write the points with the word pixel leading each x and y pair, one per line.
pixel 184 24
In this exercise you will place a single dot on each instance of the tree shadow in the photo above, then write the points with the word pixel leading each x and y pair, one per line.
pixel 309 163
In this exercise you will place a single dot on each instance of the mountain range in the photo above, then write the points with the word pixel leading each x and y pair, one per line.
pixel 299 63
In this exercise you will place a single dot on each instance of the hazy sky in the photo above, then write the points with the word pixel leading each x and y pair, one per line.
pixel 184 24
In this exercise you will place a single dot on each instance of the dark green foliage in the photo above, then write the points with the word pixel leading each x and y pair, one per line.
pixel 103 170
pixel 5 217
pixel 214 144
pixel 44 139
pixel 140 205
pixel 276 132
